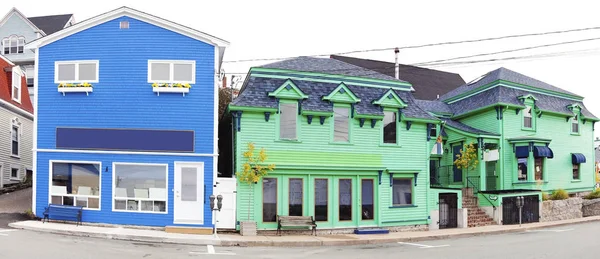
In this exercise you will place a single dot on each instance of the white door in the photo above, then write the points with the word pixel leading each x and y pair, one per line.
pixel 226 217
pixel 189 193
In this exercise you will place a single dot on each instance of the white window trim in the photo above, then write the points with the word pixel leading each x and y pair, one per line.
pixel 18 178
pixel 113 198
pixel 15 123
pixel 171 65
pixel 75 195
pixel 575 120
pixel 16 73
pixel 76 63
pixel 6 42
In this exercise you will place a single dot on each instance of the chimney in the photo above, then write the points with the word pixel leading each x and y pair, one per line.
pixel 396 51
pixel 224 82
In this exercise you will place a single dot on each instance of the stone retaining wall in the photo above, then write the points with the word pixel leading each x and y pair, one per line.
pixel 561 209
pixel 591 207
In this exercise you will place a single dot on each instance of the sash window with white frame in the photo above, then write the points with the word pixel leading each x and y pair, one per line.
pixel 172 71
pixel 83 71
pixel 575 124
pixel 16 84
pixel 140 187
pixel 75 184
pixel 527 118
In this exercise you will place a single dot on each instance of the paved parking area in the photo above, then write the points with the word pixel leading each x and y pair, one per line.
pixel 13 205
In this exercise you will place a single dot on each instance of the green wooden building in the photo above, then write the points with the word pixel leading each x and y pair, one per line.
pixel 530 137
pixel 350 145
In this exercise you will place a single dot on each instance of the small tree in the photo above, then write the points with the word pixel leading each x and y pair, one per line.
pixel 253 169
pixel 467 159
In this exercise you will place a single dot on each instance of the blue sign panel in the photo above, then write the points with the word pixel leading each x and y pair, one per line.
pixel 125 139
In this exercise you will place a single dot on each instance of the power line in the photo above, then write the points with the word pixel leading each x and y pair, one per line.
pixel 445 61
pixel 505 51
pixel 423 45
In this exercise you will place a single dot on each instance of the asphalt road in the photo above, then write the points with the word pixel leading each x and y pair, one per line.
pixel 573 241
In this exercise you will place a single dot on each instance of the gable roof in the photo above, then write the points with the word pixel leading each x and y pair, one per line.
pixel 327 66
pixel 15 11
pixel 506 75
pixel 25 108
pixel 51 23
pixel 428 83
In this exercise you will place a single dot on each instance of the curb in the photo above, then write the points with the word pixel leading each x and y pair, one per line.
pixel 289 243
pixel 160 240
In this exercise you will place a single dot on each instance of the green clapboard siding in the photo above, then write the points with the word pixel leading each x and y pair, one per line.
pixel 558 171
pixel 314 155
pixel 485 120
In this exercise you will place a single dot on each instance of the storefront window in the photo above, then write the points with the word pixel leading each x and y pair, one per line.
pixel 321 200
pixel 269 200
pixel 295 197
pixel 367 195
pixel 141 187
pixel 76 184
pixel 345 206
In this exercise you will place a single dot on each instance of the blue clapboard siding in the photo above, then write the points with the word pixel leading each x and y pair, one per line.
pixel 106 215
pixel 125 139
pixel 123 98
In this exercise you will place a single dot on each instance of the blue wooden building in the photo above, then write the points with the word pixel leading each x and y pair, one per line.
pixel 125 124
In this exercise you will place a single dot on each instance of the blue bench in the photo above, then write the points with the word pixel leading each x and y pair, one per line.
pixel 63 212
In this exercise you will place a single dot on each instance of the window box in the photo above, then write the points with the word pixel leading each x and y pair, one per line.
pixel 75 88
pixel 171 88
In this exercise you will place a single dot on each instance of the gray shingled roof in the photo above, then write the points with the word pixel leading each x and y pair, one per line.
pixel 328 66
pixel 256 89
pixel 434 106
pixel 428 83
pixel 507 75
pixel 463 127
pixel 51 23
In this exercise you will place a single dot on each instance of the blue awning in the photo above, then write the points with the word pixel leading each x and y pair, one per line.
pixel 522 152
pixel 542 151
pixel 578 158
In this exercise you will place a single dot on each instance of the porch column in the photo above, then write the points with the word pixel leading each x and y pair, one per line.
pixel 482 173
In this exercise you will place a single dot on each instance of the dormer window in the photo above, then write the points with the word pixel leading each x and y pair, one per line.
pixel 575 124
pixel 527 118
pixel 13 45
pixel 16 84
pixel 341 124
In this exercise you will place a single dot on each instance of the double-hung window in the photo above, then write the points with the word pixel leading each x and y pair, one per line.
pixel 528 118
pixel 389 128
pixel 402 191
pixel 288 121
pixel 13 45
pixel 576 172
pixel 341 124
pixel 575 124
pixel 15 138
pixel 539 168
pixel 14 173
pixel 85 71
pixel 172 71
pixel 16 84
pixel 75 184
pixel 140 187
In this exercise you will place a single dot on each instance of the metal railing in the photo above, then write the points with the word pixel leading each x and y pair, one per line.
pixel 473 182
pixel 442 177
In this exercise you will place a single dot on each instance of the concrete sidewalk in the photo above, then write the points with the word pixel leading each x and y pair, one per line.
pixel 158 236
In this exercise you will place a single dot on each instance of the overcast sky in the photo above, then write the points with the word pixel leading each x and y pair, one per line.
pixel 272 29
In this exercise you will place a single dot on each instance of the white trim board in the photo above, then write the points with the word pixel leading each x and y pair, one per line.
pixel 135 14
pixel 122 152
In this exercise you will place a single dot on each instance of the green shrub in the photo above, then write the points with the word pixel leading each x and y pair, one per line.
pixel 545 196
pixel 593 195
pixel 559 194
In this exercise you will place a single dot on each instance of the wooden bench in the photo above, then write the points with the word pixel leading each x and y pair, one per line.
pixel 296 221
pixel 63 212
